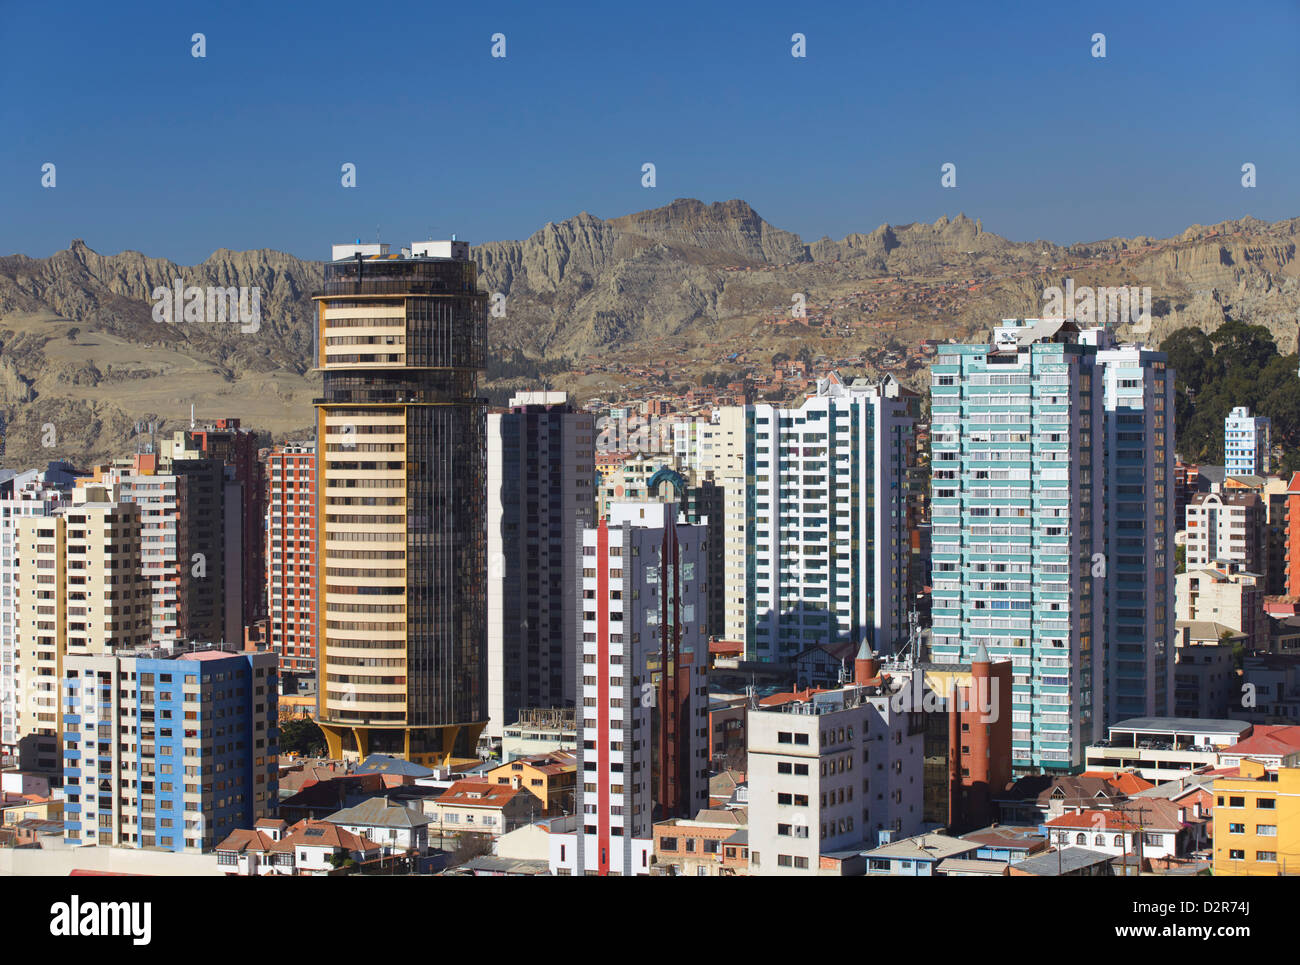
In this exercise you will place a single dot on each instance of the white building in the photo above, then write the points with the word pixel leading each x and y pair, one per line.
pixel 1246 444
pixel 394 827
pixel 827 551
pixel 1226 527
pixel 839 770
pixel 165 558
pixel 643 753
pixel 541 493
pixel 1163 749
pixel 32 493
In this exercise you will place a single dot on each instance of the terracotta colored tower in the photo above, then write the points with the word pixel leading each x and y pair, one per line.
pixel 979 742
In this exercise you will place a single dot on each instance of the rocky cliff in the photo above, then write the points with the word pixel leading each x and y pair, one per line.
pixel 81 350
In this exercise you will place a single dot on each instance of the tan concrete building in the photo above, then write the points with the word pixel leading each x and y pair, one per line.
pixel 1226 527
pixel 727 460
pixel 402 503
pixel 1224 594
pixel 80 590
pixel 163 499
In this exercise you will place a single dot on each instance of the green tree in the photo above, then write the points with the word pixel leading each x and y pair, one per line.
pixel 1191 356
pixel 1244 347
pixel 302 736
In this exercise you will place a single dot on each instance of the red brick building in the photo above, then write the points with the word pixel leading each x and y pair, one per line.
pixel 979 743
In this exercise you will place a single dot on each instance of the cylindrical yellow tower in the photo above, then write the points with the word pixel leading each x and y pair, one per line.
pixel 401 517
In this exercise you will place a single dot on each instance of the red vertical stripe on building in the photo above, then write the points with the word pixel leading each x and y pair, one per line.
pixel 603 774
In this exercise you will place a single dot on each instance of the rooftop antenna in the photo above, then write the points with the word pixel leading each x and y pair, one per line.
pixel 912 649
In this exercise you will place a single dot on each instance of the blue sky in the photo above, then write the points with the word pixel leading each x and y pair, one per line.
pixel 178 156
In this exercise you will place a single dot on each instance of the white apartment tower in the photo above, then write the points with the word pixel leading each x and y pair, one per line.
pixel 80 591
pixel 1246 443
pixel 26 494
pixel 643 748
pixel 826 549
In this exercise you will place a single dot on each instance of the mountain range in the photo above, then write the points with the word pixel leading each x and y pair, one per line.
pixel 81 352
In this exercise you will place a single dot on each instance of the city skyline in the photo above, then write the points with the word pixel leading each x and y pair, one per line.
pixel 677 441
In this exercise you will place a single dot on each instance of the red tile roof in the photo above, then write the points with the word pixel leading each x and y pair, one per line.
pixel 479 794
pixel 776 700
pixel 1095 820
pixel 242 839
pixel 322 834
pixel 1268 740
pixel 1125 783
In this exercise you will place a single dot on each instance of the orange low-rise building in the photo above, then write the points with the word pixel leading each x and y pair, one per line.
pixel 551 778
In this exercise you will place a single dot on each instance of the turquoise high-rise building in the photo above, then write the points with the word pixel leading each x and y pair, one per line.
pixel 1026 561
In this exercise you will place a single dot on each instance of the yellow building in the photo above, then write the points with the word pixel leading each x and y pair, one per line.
pixel 549 777
pixel 1257 821
pixel 27 807
pixel 297 706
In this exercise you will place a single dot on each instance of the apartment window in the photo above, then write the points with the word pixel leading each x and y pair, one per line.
pixel 1265 855
pixel 1267 803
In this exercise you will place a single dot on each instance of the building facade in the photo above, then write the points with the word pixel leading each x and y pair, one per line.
pixel 839 771
pixel 291 575
pixel 1226 527
pixel 165 554
pixel 236 449
pixel 1137 592
pixel 827 549
pixel 80 590
pixel 402 494
pixel 1016 507
pixel 1256 814
pixel 33 493
pixel 643 754
pixel 170 750
pixel 1246 445
pixel 541 495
